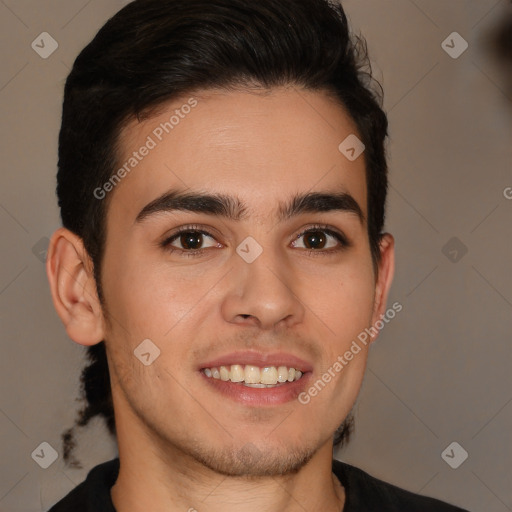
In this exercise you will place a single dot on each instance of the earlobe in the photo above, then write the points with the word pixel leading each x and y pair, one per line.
pixel 73 289
pixel 386 270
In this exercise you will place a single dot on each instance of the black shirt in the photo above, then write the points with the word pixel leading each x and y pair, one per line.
pixel 363 493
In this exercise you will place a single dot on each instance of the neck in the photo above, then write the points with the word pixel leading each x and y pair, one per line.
pixel 151 480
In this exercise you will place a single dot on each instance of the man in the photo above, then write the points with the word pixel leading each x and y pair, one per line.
pixel 222 181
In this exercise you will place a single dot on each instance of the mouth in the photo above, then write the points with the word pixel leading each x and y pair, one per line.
pixel 256 379
pixel 254 376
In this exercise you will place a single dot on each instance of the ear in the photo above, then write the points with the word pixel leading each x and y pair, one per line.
pixel 386 270
pixel 70 273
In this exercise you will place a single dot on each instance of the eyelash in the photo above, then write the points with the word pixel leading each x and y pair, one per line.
pixel 344 243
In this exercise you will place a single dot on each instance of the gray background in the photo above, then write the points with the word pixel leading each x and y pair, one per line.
pixel 440 372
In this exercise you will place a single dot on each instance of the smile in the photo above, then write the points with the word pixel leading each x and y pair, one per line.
pixel 254 376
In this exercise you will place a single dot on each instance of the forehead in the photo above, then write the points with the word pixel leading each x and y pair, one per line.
pixel 261 148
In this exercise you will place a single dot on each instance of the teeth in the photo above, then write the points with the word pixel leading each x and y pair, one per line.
pixel 282 374
pixel 224 373
pixel 269 375
pixel 254 376
pixel 237 373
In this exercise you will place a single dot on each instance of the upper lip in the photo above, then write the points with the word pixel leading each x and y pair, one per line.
pixel 260 359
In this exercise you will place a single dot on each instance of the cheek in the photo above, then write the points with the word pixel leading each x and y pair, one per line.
pixel 148 299
pixel 346 300
pixel 346 304
pixel 346 308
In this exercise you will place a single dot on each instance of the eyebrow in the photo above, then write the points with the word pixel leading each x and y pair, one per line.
pixel 232 208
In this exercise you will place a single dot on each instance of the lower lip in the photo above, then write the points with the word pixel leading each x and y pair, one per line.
pixel 259 397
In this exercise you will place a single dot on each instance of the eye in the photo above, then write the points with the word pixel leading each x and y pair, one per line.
pixel 319 238
pixel 189 240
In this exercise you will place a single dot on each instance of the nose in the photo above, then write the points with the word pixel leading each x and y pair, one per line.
pixel 263 293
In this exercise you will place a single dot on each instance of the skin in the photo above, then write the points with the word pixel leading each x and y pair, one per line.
pixel 182 445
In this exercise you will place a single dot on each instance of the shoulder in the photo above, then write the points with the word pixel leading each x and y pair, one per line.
pixel 93 494
pixel 365 492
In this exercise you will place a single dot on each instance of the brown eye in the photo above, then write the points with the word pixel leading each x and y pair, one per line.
pixel 191 240
pixel 315 240
pixel 319 238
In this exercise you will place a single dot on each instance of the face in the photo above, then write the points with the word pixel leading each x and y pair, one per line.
pixel 241 286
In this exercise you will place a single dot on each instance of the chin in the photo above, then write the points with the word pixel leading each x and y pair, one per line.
pixel 252 461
